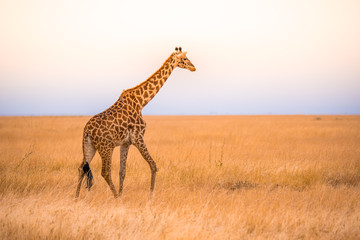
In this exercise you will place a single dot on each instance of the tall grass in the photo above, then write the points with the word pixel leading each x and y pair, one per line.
pixel 220 177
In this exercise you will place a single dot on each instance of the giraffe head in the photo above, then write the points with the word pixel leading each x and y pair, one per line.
pixel 182 60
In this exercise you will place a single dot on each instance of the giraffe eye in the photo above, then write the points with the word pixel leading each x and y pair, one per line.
pixel 185 59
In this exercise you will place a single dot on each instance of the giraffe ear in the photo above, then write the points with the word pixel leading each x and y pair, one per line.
pixel 182 54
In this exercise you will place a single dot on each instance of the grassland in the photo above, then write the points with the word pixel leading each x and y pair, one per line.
pixel 220 177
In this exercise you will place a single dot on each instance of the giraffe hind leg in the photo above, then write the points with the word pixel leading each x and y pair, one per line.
pixel 84 170
pixel 81 177
pixel 106 155
pixel 124 149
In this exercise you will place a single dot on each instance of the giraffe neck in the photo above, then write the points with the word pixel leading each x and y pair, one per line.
pixel 144 92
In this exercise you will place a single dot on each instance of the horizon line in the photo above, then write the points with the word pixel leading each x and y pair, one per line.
pixel 191 115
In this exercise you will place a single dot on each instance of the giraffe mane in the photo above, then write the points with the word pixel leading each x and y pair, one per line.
pixel 141 84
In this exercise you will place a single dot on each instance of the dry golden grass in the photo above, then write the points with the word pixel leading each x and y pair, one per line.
pixel 220 177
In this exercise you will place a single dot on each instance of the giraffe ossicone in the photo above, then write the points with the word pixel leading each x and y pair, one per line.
pixel 122 125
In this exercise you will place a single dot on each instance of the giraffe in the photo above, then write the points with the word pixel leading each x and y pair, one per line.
pixel 122 125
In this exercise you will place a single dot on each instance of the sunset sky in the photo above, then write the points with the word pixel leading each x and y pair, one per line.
pixel 252 57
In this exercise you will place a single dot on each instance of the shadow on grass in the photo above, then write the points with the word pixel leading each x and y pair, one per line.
pixel 336 181
pixel 239 185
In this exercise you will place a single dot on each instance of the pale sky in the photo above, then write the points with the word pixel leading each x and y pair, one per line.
pixel 252 57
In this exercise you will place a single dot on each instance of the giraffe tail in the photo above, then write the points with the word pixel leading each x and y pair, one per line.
pixel 89 176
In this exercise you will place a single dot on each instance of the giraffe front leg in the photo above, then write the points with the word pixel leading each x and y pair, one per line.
pixel 124 149
pixel 140 145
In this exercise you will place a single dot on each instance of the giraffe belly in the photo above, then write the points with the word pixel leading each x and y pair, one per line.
pixel 123 137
